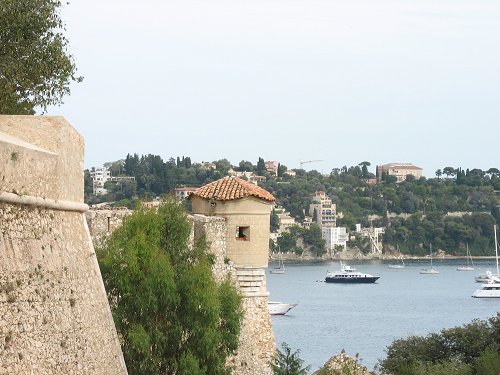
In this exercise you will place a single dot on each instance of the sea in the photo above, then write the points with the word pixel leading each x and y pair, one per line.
pixel 364 319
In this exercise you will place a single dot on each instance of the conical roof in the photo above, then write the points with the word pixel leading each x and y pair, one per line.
pixel 231 188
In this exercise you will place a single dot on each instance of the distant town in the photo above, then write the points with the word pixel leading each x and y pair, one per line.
pixel 396 192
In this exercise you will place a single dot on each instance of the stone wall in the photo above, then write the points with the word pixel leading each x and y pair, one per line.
pixel 54 314
pixel 102 222
pixel 257 345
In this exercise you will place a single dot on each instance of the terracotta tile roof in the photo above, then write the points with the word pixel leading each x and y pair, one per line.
pixel 230 188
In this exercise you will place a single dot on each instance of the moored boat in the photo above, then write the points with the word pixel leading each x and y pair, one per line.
pixel 483 278
pixel 488 277
pixel 470 265
pixel 490 289
pixel 349 275
pixel 398 265
pixel 279 308
pixel 431 270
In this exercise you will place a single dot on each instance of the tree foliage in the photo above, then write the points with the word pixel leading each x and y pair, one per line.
pixel 35 66
pixel 287 363
pixel 170 314
pixel 471 349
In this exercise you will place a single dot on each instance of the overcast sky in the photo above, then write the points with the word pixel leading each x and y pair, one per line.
pixel 339 81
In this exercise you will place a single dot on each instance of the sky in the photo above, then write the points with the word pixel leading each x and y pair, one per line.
pixel 341 81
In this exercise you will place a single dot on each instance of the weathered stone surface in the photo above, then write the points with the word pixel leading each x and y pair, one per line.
pixel 54 314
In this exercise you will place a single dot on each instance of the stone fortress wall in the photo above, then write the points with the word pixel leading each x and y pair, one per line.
pixel 54 314
pixel 257 345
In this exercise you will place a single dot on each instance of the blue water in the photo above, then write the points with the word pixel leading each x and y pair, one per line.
pixel 366 318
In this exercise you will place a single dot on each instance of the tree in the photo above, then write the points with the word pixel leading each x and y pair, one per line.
pixel 281 170
pixel 245 166
pixel 261 167
pixel 172 316
pixel 35 66
pixel 474 344
pixel 223 166
pixel 439 173
pixel 274 222
pixel 449 171
pixel 288 363
pixel 364 168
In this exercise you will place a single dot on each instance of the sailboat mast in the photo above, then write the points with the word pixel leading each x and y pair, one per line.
pixel 496 248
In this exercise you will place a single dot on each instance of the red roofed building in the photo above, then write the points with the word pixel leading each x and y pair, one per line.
pixel 247 209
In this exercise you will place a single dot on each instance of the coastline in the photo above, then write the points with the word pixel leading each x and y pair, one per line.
pixel 357 255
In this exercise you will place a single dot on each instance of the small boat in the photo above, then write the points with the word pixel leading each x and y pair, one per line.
pixel 279 308
pixel 491 289
pixel 469 266
pixel 484 278
pixel 488 276
pixel 398 265
pixel 431 270
pixel 281 266
pixel 349 275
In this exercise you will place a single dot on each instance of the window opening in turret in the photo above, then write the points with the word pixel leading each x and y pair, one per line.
pixel 243 233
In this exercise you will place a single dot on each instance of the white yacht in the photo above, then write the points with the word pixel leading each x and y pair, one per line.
pixel 279 308
pixel 490 289
pixel 349 275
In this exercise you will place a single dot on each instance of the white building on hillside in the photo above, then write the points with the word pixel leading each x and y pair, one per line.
pixel 98 177
pixel 335 236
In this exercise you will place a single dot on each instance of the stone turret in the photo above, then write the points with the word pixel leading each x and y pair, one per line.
pixel 54 314
pixel 245 208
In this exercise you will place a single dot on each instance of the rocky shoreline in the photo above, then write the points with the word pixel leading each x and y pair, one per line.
pixel 354 254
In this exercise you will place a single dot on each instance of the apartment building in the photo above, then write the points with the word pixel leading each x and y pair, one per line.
pixel 322 210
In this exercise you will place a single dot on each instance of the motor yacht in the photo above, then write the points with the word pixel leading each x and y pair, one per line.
pixel 279 308
pixel 490 289
pixel 349 275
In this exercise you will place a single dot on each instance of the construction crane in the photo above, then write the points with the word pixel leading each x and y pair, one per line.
pixel 308 161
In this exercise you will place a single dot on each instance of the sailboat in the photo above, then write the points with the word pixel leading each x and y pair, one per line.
pixel 431 270
pixel 281 266
pixel 469 266
pixel 398 266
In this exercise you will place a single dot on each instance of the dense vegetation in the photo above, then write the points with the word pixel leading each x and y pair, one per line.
pixel 171 316
pixel 35 66
pixel 415 213
pixel 468 350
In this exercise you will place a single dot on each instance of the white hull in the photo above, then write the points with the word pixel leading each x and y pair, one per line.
pixel 277 270
pixel 490 290
pixel 429 271
pixel 280 308
pixel 396 266
pixel 465 268
pixel 483 278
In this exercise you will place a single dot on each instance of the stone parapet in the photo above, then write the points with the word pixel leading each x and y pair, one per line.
pixel 54 313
